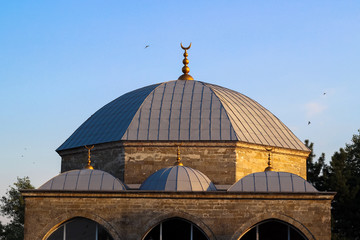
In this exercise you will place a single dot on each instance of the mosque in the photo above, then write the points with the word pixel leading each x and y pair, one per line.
pixel 181 159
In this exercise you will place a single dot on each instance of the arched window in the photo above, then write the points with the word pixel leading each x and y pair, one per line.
pixel 176 229
pixel 80 228
pixel 273 230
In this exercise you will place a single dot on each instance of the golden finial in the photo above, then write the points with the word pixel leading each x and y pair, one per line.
pixel 178 159
pixel 185 69
pixel 269 168
pixel 88 166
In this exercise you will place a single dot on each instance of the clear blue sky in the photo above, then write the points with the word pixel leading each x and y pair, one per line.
pixel 60 61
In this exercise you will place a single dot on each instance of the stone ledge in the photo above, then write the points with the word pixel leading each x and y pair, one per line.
pixel 209 144
pixel 180 195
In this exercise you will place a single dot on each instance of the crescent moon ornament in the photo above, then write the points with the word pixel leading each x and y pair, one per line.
pixel 89 148
pixel 185 48
pixel 268 149
pixel 89 161
pixel 185 68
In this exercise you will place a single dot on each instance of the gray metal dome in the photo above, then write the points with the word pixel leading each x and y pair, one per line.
pixel 270 181
pixel 178 178
pixel 184 110
pixel 84 180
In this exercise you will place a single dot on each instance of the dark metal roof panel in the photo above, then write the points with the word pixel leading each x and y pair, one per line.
pixel 110 122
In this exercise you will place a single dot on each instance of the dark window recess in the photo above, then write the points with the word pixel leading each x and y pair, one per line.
pixel 58 234
pixel 154 234
pixel 80 228
pixel 250 235
pixel 273 230
pixel 176 229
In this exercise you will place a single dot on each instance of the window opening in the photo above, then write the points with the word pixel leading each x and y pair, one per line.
pixel 273 230
pixel 176 229
pixel 80 228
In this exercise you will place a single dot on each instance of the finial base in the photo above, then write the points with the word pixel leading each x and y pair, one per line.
pixel 185 77
pixel 269 169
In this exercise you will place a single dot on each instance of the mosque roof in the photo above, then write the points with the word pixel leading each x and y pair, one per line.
pixel 183 110
pixel 271 181
pixel 178 178
pixel 84 180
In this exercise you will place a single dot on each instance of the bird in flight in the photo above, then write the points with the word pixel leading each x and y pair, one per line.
pixel 324 93
pixel 147 46
pixel 309 122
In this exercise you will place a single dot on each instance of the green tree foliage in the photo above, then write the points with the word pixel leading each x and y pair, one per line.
pixel 12 206
pixel 343 177
pixel 317 171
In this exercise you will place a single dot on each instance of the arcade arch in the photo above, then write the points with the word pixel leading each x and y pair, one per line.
pixel 176 229
pixel 80 228
pixel 273 229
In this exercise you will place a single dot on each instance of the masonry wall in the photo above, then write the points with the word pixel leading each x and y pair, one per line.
pixel 252 158
pixel 221 215
pixel 223 162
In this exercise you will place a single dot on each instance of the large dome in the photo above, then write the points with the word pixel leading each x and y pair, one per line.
pixel 184 110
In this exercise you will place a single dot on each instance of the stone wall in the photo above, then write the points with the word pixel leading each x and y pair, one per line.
pixel 215 160
pixel 223 162
pixel 109 157
pixel 221 215
pixel 252 158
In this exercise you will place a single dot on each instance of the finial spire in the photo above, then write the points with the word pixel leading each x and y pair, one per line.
pixel 269 167
pixel 178 159
pixel 185 69
pixel 88 166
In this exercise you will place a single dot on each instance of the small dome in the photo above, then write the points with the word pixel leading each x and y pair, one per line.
pixel 272 182
pixel 178 178
pixel 84 180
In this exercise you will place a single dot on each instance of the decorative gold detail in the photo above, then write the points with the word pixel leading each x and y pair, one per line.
pixel 269 167
pixel 178 160
pixel 185 69
pixel 88 166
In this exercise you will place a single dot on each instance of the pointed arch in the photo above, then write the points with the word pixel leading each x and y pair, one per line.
pixel 154 222
pixel 247 225
pixel 58 221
